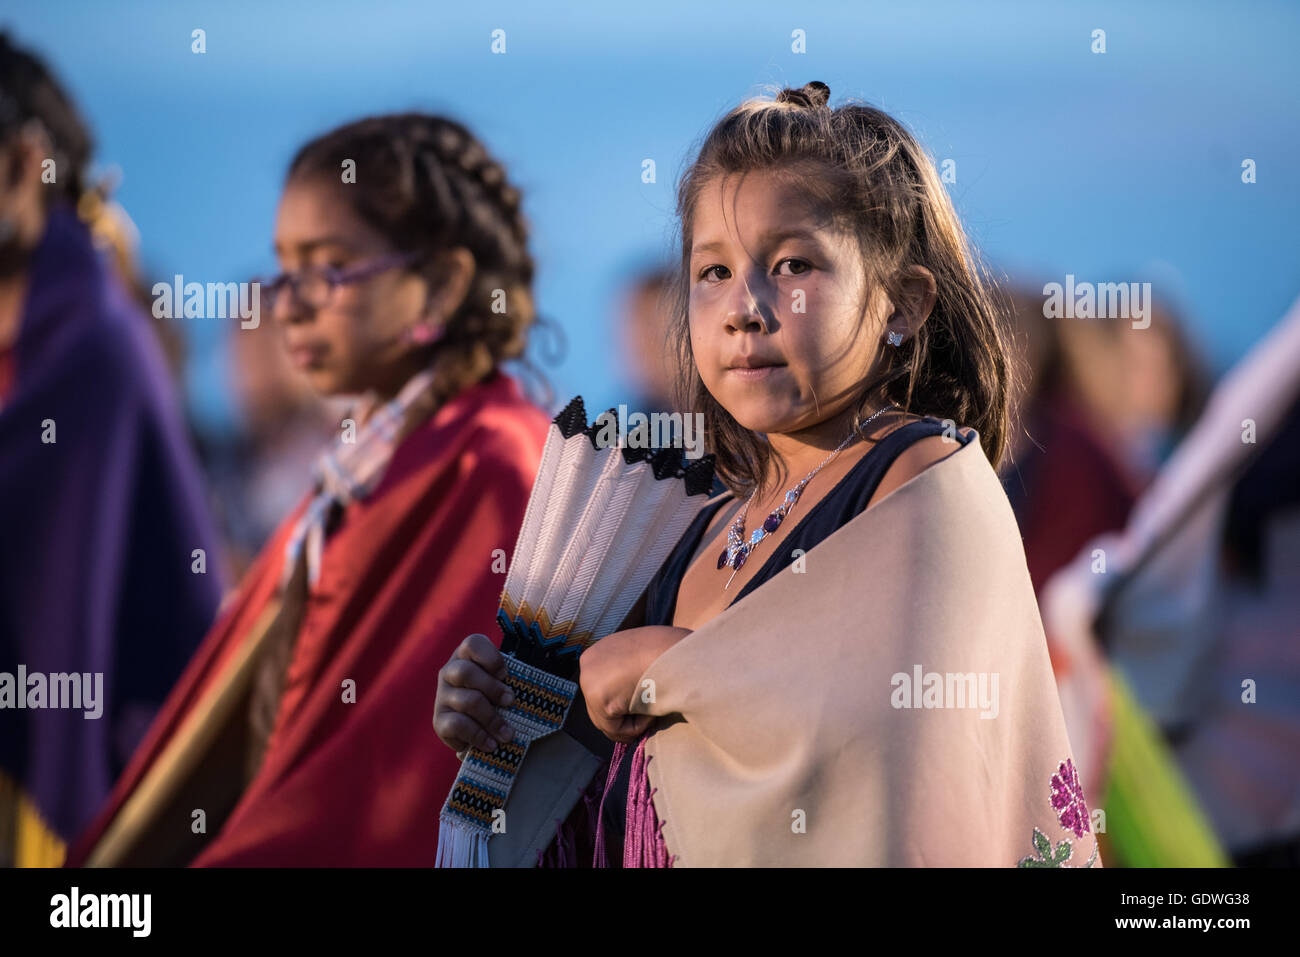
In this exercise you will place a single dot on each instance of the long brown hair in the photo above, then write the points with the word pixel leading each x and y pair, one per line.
pixel 427 184
pixel 874 179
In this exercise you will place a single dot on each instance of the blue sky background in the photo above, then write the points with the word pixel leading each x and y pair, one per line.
pixel 1123 166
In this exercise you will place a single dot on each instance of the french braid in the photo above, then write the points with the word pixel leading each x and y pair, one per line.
pixel 428 184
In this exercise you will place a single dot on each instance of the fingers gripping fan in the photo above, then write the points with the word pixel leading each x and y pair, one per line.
pixel 599 523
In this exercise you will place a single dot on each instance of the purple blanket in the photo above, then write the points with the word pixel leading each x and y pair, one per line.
pixel 97 529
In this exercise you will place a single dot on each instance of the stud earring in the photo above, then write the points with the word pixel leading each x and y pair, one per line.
pixel 423 335
pixel 895 338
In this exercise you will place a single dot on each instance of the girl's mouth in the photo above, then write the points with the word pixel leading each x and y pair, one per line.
pixel 307 356
pixel 753 375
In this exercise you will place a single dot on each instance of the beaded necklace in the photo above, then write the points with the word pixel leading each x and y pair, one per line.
pixel 738 549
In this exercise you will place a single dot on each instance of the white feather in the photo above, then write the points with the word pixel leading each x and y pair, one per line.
pixel 530 530
pixel 627 518
pixel 573 483
pixel 675 513
pixel 638 534
pixel 584 532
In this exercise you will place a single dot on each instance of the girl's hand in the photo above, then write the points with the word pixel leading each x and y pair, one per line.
pixel 610 670
pixel 470 689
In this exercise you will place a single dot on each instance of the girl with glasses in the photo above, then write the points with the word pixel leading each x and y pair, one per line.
pixel 301 728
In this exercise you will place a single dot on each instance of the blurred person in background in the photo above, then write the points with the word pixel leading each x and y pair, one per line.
pixel 301 726
pixel 1102 403
pixel 643 336
pixel 1066 484
pixel 102 514
pixel 1197 602
pixel 1142 388
pixel 1064 480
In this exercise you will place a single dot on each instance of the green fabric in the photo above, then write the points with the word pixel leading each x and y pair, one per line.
pixel 1152 816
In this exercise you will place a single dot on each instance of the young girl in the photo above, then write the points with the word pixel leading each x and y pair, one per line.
pixel 299 734
pixel 817 678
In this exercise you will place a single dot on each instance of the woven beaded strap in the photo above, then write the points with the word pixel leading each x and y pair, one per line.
pixel 541 703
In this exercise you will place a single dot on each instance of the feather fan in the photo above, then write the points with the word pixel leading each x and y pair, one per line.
pixel 600 522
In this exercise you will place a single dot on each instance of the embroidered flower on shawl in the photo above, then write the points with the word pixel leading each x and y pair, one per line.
pixel 1067 798
pixel 1072 812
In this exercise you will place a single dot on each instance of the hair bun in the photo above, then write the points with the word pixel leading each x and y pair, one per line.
pixel 810 95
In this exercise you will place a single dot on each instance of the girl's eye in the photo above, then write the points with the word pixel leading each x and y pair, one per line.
pixel 328 270
pixel 798 266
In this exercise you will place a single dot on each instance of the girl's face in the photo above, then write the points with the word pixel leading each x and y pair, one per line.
pixel 776 286
pixel 354 342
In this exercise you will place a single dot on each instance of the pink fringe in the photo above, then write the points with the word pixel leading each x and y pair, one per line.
pixel 644 844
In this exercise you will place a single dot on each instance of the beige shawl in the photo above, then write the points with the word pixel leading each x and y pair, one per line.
pixel 886 700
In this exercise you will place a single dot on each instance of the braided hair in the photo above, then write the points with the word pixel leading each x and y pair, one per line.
pixel 427 184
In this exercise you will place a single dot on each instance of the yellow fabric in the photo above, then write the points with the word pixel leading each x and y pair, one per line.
pixel 785 744
pixel 25 839
pixel 1152 816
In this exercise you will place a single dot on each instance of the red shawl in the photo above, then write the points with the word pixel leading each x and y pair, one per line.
pixel 407 574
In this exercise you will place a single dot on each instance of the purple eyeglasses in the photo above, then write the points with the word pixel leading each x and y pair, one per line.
pixel 315 285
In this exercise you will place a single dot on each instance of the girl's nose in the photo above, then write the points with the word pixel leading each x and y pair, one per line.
pixel 744 312
pixel 288 307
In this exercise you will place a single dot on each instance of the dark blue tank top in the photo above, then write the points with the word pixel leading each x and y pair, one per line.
pixel 837 508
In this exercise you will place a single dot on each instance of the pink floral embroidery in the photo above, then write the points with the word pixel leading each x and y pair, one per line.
pixel 1072 812
pixel 1067 798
